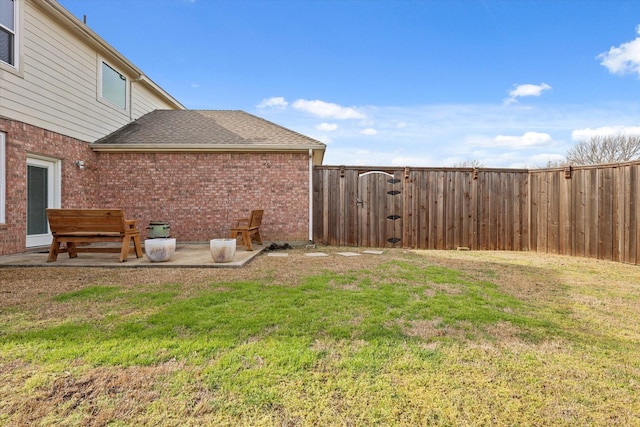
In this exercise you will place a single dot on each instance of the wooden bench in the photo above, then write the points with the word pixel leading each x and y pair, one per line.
pixel 76 226
pixel 249 228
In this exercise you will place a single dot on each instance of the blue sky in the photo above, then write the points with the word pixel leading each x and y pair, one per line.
pixel 396 83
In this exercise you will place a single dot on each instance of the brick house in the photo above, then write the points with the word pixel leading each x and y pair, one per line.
pixel 200 170
pixel 73 112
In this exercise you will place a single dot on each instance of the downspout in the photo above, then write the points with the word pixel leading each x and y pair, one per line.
pixel 310 195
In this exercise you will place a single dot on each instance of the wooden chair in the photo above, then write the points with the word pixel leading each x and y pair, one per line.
pixel 249 228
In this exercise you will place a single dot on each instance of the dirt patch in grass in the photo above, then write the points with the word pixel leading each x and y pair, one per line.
pixel 99 396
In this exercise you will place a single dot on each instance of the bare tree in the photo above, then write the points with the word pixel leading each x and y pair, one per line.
pixel 605 149
pixel 469 164
pixel 555 164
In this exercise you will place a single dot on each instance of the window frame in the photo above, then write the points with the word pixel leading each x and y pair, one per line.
pixel 104 63
pixel 15 32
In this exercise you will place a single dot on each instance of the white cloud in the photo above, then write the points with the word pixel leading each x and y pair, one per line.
pixel 276 102
pixel 624 59
pixel 526 90
pixel 587 133
pixel 443 134
pixel 369 131
pixel 528 139
pixel 327 127
pixel 327 110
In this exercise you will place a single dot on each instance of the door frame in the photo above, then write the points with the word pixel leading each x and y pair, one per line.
pixel 54 190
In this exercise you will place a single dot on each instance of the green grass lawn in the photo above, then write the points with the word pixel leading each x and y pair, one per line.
pixel 406 338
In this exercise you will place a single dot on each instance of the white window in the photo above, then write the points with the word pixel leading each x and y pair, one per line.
pixel 3 178
pixel 113 86
pixel 8 30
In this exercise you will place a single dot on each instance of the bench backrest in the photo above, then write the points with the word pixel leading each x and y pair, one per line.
pixel 256 218
pixel 86 220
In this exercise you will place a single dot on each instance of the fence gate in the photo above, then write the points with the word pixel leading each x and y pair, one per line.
pixel 380 207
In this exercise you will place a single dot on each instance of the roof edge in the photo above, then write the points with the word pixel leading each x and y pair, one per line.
pixel 316 152
pixel 64 16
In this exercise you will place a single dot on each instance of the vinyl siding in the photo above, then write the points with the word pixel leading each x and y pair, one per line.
pixel 57 88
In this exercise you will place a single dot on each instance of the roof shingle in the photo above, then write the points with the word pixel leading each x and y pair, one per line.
pixel 207 128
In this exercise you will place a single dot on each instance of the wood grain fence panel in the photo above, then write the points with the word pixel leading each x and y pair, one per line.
pixel 632 214
pixel 617 197
pixel 432 188
pixel 466 219
pixel 318 203
pixel 553 209
pixel 484 213
pixel 494 210
pixel 516 197
pixel 497 210
pixel 440 223
pixel 508 204
pixel 543 214
pixel 635 198
pixel 424 205
pixel 605 212
pixel 523 206
pixel 463 210
pixel 364 224
pixel 454 205
pixel 334 208
pixel 579 206
pixel 416 210
pixel 407 213
pixel 534 202
pixel 351 177
pixel 589 211
pixel 341 207
pixel 625 208
pixel 497 222
pixel 565 218
pixel 395 210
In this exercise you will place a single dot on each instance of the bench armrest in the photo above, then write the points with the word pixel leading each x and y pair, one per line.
pixel 241 220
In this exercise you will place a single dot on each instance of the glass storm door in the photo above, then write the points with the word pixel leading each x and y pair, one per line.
pixel 43 191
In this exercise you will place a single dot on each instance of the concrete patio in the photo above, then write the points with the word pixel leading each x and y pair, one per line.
pixel 194 255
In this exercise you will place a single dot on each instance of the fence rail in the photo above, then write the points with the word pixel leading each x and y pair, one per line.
pixel 589 211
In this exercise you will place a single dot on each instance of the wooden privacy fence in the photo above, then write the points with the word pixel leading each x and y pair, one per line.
pixel 588 211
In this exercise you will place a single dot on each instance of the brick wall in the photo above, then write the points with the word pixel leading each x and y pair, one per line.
pixel 201 194
pixel 78 188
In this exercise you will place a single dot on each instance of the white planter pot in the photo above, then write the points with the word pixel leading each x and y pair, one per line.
pixel 159 250
pixel 223 250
